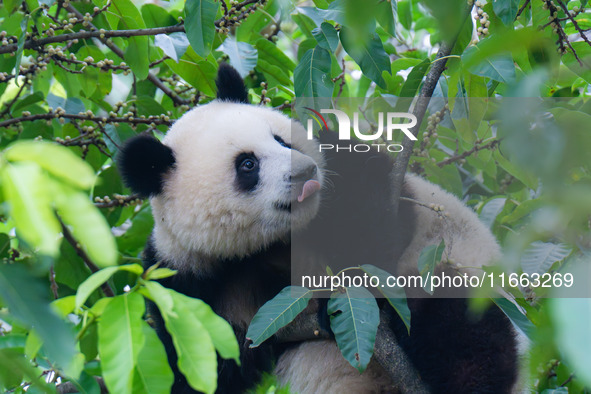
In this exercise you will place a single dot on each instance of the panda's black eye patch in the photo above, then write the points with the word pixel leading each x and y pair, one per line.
pixel 281 142
pixel 247 171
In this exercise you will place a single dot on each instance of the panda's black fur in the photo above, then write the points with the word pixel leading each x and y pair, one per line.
pixel 452 351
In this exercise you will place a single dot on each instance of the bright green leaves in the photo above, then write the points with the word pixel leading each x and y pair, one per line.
pixel 196 334
pixel 133 359
pixel 312 74
pixel 370 55
pixel 277 313
pixel 121 338
pixel 354 320
pixel 53 158
pixel 243 57
pixel 199 24
pixel 98 278
pixel 152 374
pixel 126 16
pixel 26 189
pixel 34 172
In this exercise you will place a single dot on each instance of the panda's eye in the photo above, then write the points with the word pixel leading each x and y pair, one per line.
pixel 248 165
pixel 281 142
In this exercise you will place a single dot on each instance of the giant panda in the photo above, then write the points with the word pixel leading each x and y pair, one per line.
pixel 232 183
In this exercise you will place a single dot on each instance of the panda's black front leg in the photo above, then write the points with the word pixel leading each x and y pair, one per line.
pixel 456 351
pixel 234 378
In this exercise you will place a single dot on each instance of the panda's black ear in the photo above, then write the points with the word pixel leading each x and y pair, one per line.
pixel 230 85
pixel 142 162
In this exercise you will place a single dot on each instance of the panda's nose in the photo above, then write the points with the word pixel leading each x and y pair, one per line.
pixel 303 174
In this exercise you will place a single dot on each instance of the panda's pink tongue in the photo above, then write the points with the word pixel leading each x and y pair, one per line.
pixel 309 188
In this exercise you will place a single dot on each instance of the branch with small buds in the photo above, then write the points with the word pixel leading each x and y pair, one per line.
pixel 264 98
pixel 340 77
pixel 117 200
pixel 482 18
pixel 490 145
pixel 61 115
pixel 523 7
pixel 430 132
pixel 437 208
pixel 563 41
pixel 571 15
pixel 236 14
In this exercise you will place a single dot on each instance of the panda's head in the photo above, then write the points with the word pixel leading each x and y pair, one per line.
pixel 228 179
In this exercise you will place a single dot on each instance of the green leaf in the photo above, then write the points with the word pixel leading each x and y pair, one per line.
pixel 525 177
pixel 414 79
pixel 174 45
pixel 243 56
pixel 523 209
pixel 54 159
pixel 275 73
pixel 500 67
pixel 156 16
pixel 327 36
pixel 27 299
pixel 89 227
pixel 312 74
pixel 14 367
pixel 121 338
pixel 199 72
pixel 277 313
pixel 27 192
pixel 98 278
pixel 396 296
pixel 540 256
pixel 516 316
pixel 152 374
pixel 491 210
pixel 194 347
pixel 275 56
pixel 199 24
pixel 370 55
pixel 126 16
pixel 506 10
pixel 220 331
pixel 428 259
pixel 572 319
pixel 356 326
pixel 161 273
pixel 404 10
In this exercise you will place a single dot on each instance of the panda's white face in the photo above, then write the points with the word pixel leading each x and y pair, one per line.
pixel 244 177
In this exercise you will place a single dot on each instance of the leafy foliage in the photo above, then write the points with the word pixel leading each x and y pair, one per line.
pixel 78 78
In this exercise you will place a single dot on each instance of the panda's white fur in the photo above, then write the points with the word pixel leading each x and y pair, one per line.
pixel 202 221
pixel 200 215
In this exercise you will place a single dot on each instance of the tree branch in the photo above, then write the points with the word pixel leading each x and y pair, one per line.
pixel 89 263
pixel 102 34
pixel 151 77
pixel 387 353
pixel 437 67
